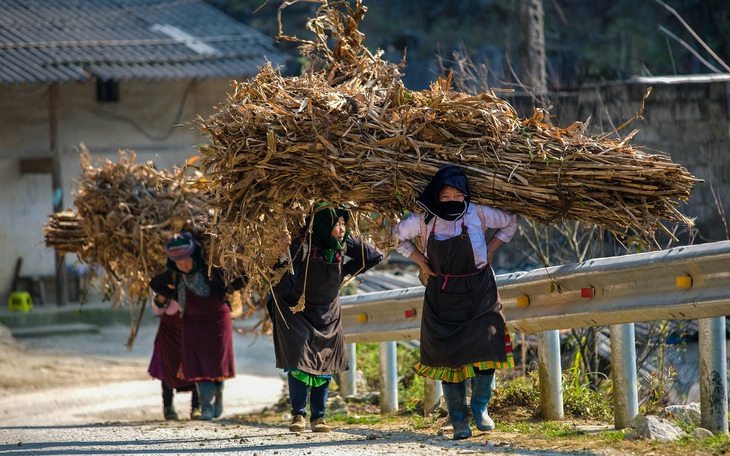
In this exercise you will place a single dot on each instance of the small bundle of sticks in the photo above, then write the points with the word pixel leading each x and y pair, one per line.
pixel 65 232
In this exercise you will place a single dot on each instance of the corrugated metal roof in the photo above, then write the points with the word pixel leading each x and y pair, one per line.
pixel 43 41
pixel 383 280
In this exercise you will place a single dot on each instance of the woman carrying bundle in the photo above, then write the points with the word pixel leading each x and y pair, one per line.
pixel 207 332
pixel 463 332
pixel 308 340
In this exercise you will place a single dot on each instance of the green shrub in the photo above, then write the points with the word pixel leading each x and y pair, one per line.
pixel 410 385
pixel 580 400
pixel 521 392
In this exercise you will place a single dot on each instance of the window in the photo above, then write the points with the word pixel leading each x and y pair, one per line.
pixel 107 91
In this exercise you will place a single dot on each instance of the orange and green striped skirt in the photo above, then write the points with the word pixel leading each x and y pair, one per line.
pixel 459 374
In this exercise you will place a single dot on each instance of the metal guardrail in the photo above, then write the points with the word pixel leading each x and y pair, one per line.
pixel 678 284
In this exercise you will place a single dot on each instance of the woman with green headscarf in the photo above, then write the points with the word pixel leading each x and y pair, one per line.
pixel 309 343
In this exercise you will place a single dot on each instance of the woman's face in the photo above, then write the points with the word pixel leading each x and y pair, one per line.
pixel 338 232
pixel 449 193
pixel 185 265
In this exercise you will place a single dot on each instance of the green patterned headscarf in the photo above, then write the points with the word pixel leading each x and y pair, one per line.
pixel 325 219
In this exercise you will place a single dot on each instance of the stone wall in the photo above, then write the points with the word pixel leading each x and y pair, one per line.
pixel 685 117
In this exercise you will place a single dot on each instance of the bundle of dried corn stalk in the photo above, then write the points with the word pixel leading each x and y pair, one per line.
pixel 348 131
pixel 65 232
pixel 126 211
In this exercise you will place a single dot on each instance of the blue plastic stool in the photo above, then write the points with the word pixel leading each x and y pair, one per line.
pixel 20 300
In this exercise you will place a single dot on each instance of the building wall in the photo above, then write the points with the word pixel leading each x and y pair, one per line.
pixel 153 118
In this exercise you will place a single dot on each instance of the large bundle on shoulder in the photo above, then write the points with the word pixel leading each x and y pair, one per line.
pixel 348 131
pixel 125 212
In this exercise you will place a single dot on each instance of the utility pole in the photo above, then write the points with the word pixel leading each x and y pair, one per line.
pixel 532 46
pixel 57 184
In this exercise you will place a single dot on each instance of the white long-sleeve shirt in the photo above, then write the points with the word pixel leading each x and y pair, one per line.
pixel 411 227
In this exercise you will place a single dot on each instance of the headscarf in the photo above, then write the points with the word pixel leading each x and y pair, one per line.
pixel 325 219
pixel 183 245
pixel 180 246
pixel 450 175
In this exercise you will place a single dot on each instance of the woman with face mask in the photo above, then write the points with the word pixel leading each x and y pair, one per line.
pixel 463 331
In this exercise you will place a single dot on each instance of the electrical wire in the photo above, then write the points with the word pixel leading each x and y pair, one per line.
pixel 142 130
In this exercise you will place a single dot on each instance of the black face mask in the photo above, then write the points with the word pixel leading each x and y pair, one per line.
pixel 450 210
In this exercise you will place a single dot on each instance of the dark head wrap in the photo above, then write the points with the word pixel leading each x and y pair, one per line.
pixel 326 216
pixel 450 210
pixel 180 246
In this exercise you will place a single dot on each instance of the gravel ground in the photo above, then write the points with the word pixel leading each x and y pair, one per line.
pixel 87 394
pixel 220 438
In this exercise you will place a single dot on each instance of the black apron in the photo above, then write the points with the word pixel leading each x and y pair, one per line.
pixel 311 340
pixel 462 319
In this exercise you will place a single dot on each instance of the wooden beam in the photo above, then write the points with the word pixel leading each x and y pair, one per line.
pixel 36 166
pixel 57 184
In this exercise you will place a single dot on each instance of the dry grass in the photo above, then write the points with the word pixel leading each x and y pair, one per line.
pixel 347 130
pixel 125 212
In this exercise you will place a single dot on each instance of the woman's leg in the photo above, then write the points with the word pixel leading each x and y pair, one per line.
pixel 455 396
pixel 218 408
pixel 481 393
pixel 318 405
pixel 318 400
pixel 168 404
pixel 195 411
pixel 298 396
pixel 206 394
pixel 298 391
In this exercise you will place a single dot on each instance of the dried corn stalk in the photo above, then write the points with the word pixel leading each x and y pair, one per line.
pixel 349 131
pixel 65 233
pixel 126 213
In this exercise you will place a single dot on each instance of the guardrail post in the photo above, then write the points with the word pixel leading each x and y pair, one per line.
pixel 388 377
pixel 713 375
pixel 432 391
pixel 549 374
pixel 623 374
pixel 348 379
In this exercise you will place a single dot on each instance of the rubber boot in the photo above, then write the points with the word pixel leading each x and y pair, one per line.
pixel 168 405
pixel 206 394
pixel 195 411
pixel 455 396
pixel 218 407
pixel 481 393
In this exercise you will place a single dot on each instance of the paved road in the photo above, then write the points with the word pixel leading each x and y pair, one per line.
pixel 125 418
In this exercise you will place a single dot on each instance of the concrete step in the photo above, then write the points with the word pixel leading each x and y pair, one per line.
pixel 54 330
pixel 100 314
